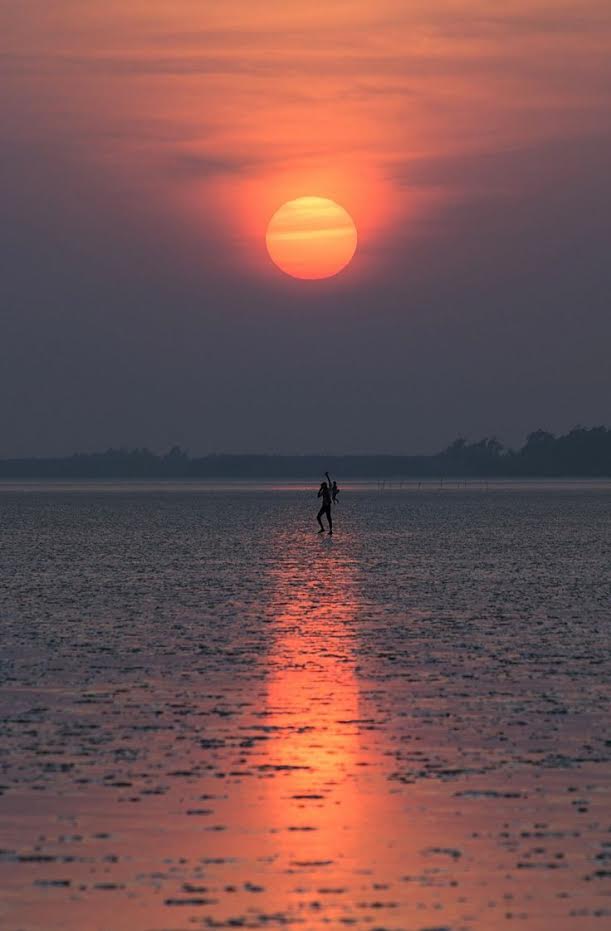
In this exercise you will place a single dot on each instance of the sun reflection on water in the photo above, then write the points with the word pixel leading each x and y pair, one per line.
pixel 312 692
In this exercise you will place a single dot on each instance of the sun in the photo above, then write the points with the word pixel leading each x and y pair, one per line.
pixel 311 237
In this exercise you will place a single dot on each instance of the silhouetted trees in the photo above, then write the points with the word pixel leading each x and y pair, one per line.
pixel 486 457
pixel 582 452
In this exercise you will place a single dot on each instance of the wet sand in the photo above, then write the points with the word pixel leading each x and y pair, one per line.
pixel 211 718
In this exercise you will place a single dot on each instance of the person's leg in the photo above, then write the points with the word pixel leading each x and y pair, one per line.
pixel 330 521
pixel 318 518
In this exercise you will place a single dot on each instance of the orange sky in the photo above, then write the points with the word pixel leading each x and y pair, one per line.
pixel 234 107
pixel 147 143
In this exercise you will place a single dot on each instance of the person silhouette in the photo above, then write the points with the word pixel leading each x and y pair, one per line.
pixel 324 492
pixel 334 492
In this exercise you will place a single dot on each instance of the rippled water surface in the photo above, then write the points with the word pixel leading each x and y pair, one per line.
pixel 214 718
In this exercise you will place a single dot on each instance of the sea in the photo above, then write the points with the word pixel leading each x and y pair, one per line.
pixel 211 716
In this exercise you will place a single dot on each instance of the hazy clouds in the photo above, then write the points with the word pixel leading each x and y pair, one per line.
pixel 142 151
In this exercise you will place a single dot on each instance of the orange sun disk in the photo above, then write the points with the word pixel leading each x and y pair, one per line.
pixel 311 237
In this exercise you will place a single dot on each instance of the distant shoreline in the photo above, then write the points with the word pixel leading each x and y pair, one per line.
pixel 580 454
pixel 448 483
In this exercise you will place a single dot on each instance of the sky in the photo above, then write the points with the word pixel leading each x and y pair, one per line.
pixel 145 144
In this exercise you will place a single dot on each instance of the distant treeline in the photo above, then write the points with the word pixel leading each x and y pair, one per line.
pixel 582 452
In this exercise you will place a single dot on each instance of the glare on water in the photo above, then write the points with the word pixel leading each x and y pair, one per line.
pixel 214 718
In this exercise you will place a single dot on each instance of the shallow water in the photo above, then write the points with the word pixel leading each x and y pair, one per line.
pixel 212 717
